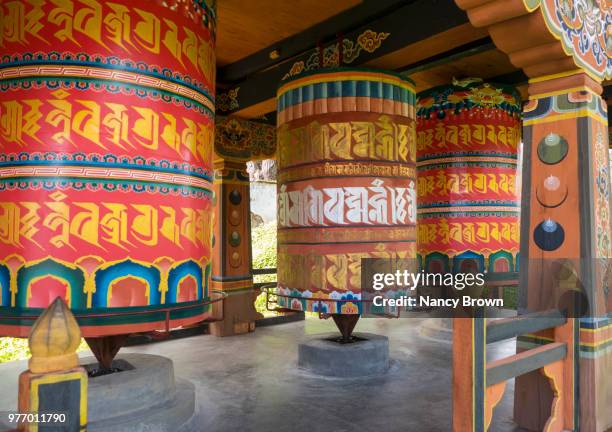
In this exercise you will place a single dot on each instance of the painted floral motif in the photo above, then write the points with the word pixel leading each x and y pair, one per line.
pixel 228 101
pixel 602 180
pixel 349 308
pixel 296 69
pixel 242 139
pixel 468 94
pixel 368 41
pixel 320 302
pixel 602 216
pixel 585 29
pixel 204 11
pixel 487 96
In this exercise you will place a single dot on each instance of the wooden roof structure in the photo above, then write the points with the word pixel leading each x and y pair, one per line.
pixel 430 41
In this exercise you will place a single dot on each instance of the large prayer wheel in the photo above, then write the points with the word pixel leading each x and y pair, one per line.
pixel 106 134
pixel 468 209
pixel 346 184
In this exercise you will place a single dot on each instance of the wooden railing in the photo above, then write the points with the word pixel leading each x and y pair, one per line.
pixel 478 385
pixel 265 271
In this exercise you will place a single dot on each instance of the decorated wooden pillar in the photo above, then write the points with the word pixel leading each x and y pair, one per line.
pixel 346 186
pixel 54 386
pixel 106 131
pixel 237 141
pixel 564 47
pixel 231 272
pixel 609 125
pixel 469 374
pixel 566 217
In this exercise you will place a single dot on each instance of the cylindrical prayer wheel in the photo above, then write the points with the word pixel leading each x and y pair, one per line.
pixel 468 211
pixel 346 184
pixel 106 134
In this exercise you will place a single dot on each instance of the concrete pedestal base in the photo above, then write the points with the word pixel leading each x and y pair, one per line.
pixel 321 355
pixel 144 398
pixel 440 329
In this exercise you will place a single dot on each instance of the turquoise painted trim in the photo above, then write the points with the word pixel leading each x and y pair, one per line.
pixel 425 215
pixel 345 70
pixel 468 154
pixel 326 90
pixel 597 322
pixel 5 286
pixel 370 88
pixel 176 274
pixel 104 278
pixel 186 82
pixel 463 164
pixel 54 182
pixel 140 91
pixel 133 315
pixel 160 166
pixel 501 255
pixel 437 256
pixel 50 267
pixel 467 204
pixel 468 255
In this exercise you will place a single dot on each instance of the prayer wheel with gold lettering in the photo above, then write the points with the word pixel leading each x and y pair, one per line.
pixel 106 134
pixel 468 209
pixel 346 184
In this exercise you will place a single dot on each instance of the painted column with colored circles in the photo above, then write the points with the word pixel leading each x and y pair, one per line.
pixel 237 141
pixel 565 224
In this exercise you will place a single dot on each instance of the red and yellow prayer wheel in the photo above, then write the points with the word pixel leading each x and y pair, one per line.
pixel 468 209
pixel 346 183
pixel 106 134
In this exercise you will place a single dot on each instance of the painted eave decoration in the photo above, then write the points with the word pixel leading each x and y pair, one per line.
pixel 584 27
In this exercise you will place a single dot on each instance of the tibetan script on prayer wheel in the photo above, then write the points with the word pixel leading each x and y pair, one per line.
pixel 106 134
pixel 468 210
pixel 346 184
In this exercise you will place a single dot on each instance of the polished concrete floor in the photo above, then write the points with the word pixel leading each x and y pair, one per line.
pixel 250 382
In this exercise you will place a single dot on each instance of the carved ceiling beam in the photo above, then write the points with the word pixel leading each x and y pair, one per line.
pixel 543 38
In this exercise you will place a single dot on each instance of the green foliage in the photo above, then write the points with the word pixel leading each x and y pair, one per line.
pixel 511 297
pixel 12 349
pixel 260 304
pixel 264 246
pixel 264 256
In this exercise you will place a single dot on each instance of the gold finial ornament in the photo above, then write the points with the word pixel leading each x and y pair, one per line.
pixel 466 81
pixel 54 339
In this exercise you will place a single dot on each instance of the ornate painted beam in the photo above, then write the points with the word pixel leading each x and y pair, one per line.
pixel 514 78
pixel 379 37
pixel 297 44
pixel 541 43
pixel 242 139
pixel 446 57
